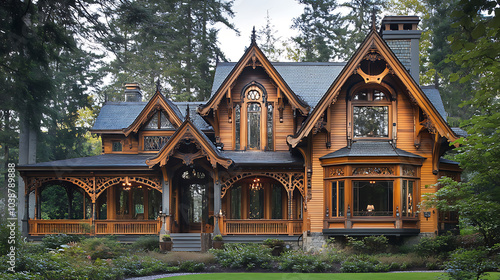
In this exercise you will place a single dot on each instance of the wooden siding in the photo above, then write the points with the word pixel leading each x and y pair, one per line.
pixel 107 142
pixel 281 130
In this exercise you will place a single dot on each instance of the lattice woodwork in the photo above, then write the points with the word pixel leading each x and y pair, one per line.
pixel 335 171
pixel 290 181
pixel 373 171
pixel 409 171
pixel 87 183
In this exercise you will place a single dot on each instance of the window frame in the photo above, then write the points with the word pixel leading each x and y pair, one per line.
pixel 245 101
pixel 389 102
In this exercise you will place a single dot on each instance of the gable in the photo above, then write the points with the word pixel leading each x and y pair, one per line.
pixel 373 42
pixel 187 133
pixel 226 77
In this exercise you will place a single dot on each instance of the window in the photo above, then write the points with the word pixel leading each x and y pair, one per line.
pixel 270 142
pixel 237 119
pixel 254 120
pixel 236 202
pixel 407 210
pixel 370 114
pixel 159 121
pixel 154 143
pixel 253 112
pixel 277 210
pixel 372 198
pixel 337 206
pixel 116 146
pixel 256 203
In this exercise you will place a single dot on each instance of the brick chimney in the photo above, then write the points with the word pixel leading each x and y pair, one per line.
pixel 402 36
pixel 133 92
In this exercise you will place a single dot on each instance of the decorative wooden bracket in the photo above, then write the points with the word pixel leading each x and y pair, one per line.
pixel 373 78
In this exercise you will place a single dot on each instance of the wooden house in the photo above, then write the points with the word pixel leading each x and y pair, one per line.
pixel 279 149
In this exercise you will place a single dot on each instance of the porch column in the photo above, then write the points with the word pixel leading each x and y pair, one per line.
pixel 165 206
pixel 290 198
pixel 217 206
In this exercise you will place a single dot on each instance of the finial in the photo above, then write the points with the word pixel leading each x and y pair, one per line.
pixel 374 20
pixel 187 112
pixel 158 86
pixel 253 34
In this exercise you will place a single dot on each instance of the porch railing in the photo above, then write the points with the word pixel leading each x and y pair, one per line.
pixel 41 227
pixel 37 227
pixel 290 227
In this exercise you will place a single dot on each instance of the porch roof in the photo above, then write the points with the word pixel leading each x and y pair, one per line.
pixel 370 149
pixel 137 161
pixel 264 158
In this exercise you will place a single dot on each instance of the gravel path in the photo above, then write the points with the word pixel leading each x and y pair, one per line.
pixel 153 277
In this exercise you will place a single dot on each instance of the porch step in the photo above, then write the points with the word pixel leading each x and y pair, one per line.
pixel 186 242
pixel 259 238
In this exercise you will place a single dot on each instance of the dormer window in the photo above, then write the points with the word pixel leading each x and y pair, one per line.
pixel 370 114
pixel 253 95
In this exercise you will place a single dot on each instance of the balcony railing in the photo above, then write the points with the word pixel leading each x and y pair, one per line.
pixel 290 227
pixel 41 227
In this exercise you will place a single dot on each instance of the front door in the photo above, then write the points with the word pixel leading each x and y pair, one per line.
pixel 194 200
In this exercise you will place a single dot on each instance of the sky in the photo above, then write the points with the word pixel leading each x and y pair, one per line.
pixel 250 13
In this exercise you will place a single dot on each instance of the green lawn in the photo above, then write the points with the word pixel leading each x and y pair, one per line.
pixel 319 276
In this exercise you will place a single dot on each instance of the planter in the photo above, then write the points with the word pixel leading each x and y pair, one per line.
pixel 217 244
pixel 166 246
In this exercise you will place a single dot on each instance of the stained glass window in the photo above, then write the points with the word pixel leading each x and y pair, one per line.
pixel 237 120
pixel 337 209
pixel 270 143
pixel 253 125
pixel 407 209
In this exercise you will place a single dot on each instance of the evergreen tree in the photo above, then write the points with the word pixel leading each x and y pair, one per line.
pixel 358 23
pixel 174 41
pixel 321 32
pixel 268 42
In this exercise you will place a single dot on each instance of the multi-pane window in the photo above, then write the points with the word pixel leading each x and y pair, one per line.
pixel 235 202
pixel 253 117
pixel 338 194
pixel 370 114
pixel 159 121
pixel 154 143
pixel 237 120
pixel 408 207
pixel 277 210
pixel 256 203
pixel 270 142
pixel 372 198
pixel 116 146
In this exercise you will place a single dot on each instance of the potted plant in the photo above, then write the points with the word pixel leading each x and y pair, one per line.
pixel 166 243
pixel 217 242
pixel 276 245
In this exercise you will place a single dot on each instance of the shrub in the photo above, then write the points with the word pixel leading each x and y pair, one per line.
pixel 103 248
pixel 140 266
pixel 146 243
pixel 192 266
pixel 469 264
pixel 369 244
pixel 433 246
pixel 218 237
pixel 54 241
pixel 301 262
pixel 246 256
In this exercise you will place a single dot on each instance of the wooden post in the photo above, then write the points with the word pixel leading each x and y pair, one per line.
pixel 217 205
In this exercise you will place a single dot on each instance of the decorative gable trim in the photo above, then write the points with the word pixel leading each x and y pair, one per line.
pixel 157 102
pixel 189 133
pixel 372 42
pixel 253 57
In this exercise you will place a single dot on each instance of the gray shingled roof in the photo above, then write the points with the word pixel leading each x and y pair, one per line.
pixel 308 80
pixel 370 149
pixel 435 97
pixel 120 115
pixel 311 80
pixel 261 158
pixel 106 160
pixel 443 160
pixel 459 132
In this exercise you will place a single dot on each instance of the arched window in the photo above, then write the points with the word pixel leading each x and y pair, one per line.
pixel 370 114
pixel 253 121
